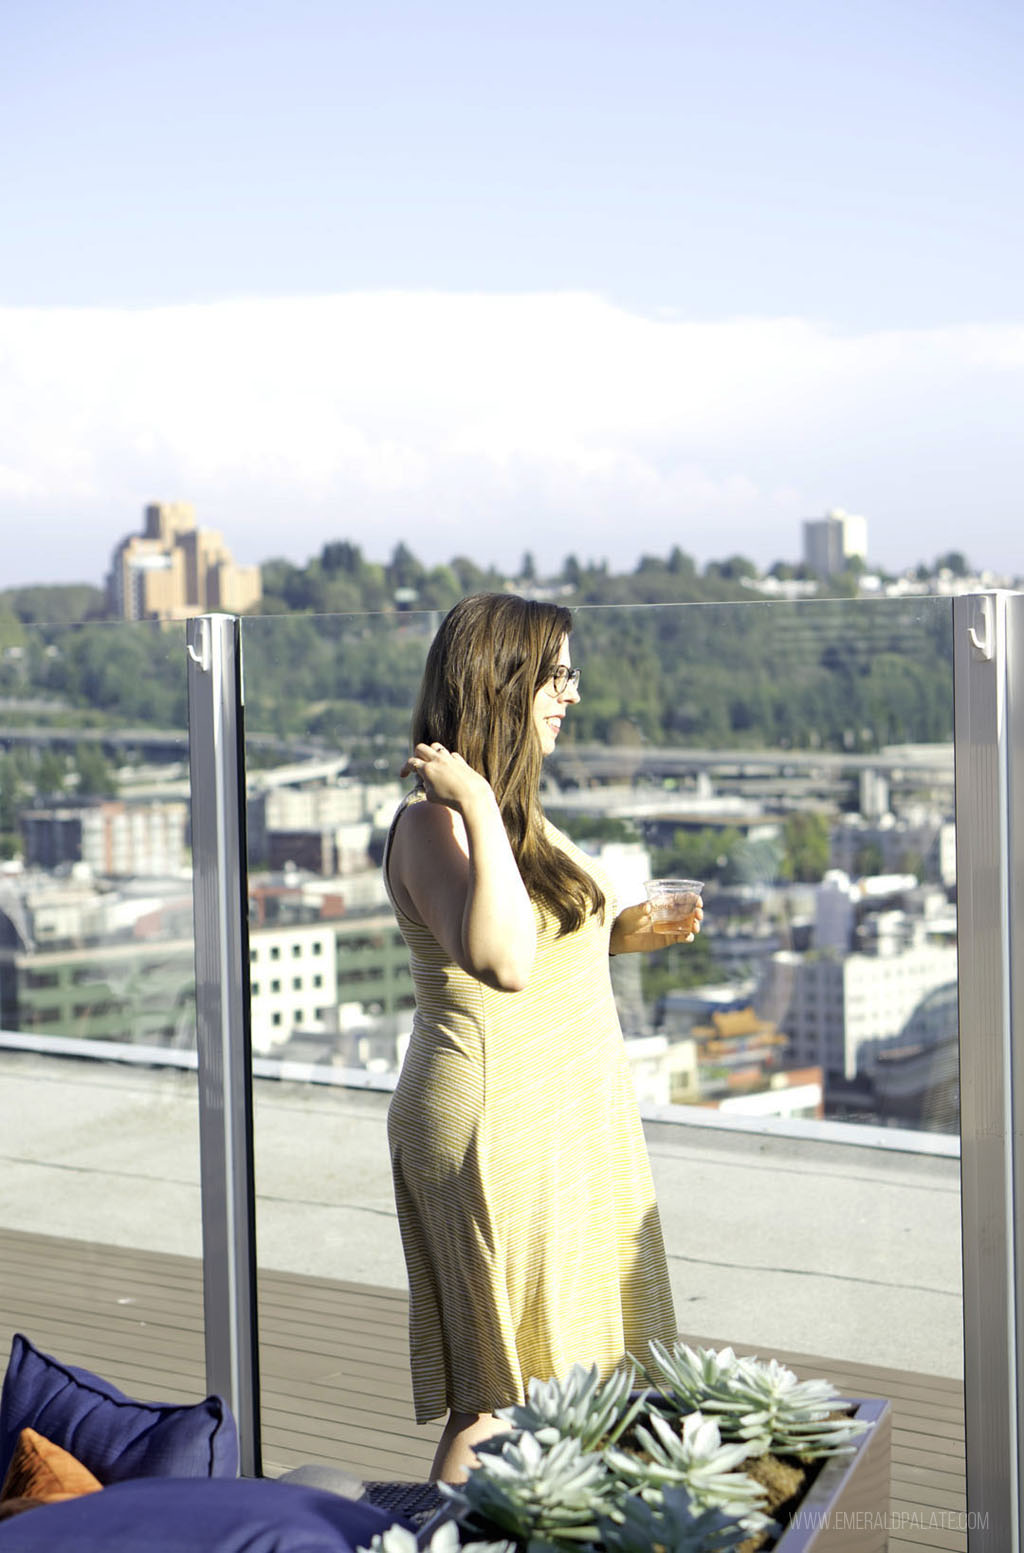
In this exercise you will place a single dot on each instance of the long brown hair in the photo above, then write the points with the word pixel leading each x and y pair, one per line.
pixel 485 666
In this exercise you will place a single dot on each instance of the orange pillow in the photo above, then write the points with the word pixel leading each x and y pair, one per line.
pixel 43 1473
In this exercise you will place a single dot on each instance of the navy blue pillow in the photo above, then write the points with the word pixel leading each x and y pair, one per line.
pixel 173 1515
pixel 110 1434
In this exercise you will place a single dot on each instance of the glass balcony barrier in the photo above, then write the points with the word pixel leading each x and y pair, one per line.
pixel 796 1066
pixel 97 981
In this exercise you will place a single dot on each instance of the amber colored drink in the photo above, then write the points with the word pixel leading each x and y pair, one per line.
pixel 678 924
pixel 674 904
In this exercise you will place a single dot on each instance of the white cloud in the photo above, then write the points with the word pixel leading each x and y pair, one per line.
pixel 490 424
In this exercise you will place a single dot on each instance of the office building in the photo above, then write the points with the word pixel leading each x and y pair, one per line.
pixel 116 839
pixel 867 983
pixel 174 569
pixel 832 542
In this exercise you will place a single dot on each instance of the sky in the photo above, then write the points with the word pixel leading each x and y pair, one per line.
pixel 559 277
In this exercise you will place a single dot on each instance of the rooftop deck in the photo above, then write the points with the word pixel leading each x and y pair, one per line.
pixel 335 1379
pixel 778 1240
pixel 774 1243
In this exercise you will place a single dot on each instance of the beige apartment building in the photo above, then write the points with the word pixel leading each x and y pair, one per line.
pixel 174 569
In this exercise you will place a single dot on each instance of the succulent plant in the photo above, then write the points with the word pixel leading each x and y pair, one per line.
pixel 592 1465
pixel 537 1494
pixel 674 1525
pixel 759 1401
pixel 582 1407
pixel 443 1539
pixel 688 1453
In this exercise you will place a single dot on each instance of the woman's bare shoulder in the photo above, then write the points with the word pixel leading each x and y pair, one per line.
pixel 429 858
pixel 425 825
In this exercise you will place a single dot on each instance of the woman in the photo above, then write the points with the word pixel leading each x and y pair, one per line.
pixel 524 1193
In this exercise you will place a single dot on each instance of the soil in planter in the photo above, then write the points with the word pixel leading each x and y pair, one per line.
pixel 785 1480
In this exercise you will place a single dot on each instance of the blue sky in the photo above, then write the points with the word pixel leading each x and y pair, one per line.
pixel 488 278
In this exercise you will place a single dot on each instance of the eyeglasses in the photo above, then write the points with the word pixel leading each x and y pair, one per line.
pixel 562 677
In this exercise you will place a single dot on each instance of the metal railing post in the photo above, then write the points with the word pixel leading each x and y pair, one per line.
pixel 988 636
pixel 220 896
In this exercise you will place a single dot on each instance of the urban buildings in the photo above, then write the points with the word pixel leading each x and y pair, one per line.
pixel 875 980
pixel 310 817
pixel 114 838
pixel 86 960
pixel 847 980
pixel 95 922
pixel 921 839
pixel 174 569
pixel 831 542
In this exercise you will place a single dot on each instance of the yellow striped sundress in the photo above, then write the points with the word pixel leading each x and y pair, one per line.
pixel 523 1188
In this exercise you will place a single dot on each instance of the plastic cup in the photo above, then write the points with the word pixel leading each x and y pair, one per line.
pixel 673 904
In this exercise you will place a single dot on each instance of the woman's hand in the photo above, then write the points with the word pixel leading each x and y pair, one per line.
pixel 445 776
pixel 633 932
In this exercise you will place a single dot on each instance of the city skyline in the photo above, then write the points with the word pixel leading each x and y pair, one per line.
pixel 566 280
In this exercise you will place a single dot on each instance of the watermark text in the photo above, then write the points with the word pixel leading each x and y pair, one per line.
pixel 890 1520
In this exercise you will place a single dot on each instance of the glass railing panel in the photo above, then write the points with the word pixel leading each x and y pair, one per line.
pixel 328 701
pixel 327 710
pixel 96 942
pixel 798 759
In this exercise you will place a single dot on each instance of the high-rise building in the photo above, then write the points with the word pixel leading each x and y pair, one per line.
pixel 831 542
pixel 174 569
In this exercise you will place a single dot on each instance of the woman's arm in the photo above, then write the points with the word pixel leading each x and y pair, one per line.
pixel 451 867
pixel 632 932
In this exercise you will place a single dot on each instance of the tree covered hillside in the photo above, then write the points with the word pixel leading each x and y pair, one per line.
pixel 669 655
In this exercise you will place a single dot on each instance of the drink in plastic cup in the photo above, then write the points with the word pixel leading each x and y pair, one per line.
pixel 673 904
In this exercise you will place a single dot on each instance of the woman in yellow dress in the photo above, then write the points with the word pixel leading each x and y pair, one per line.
pixel 523 1188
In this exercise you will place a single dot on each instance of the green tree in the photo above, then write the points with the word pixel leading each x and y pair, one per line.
pixel 679 968
pixel 680 564
pixel 844 584
pixel 707 853
pixel 14 793
pixel 732 569
pixel 403 570
pixel 50 774
pixel 473 578
pixel 12 632
pixel 96 777
pixel 134 672
pixel 806 839
pixel 868 860
pixel 341 556
pixel 440 589
pixel 57 604
pixel 285 587
pixel 595 827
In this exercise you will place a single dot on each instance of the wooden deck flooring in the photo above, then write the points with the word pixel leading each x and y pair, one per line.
pixel 334 1369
